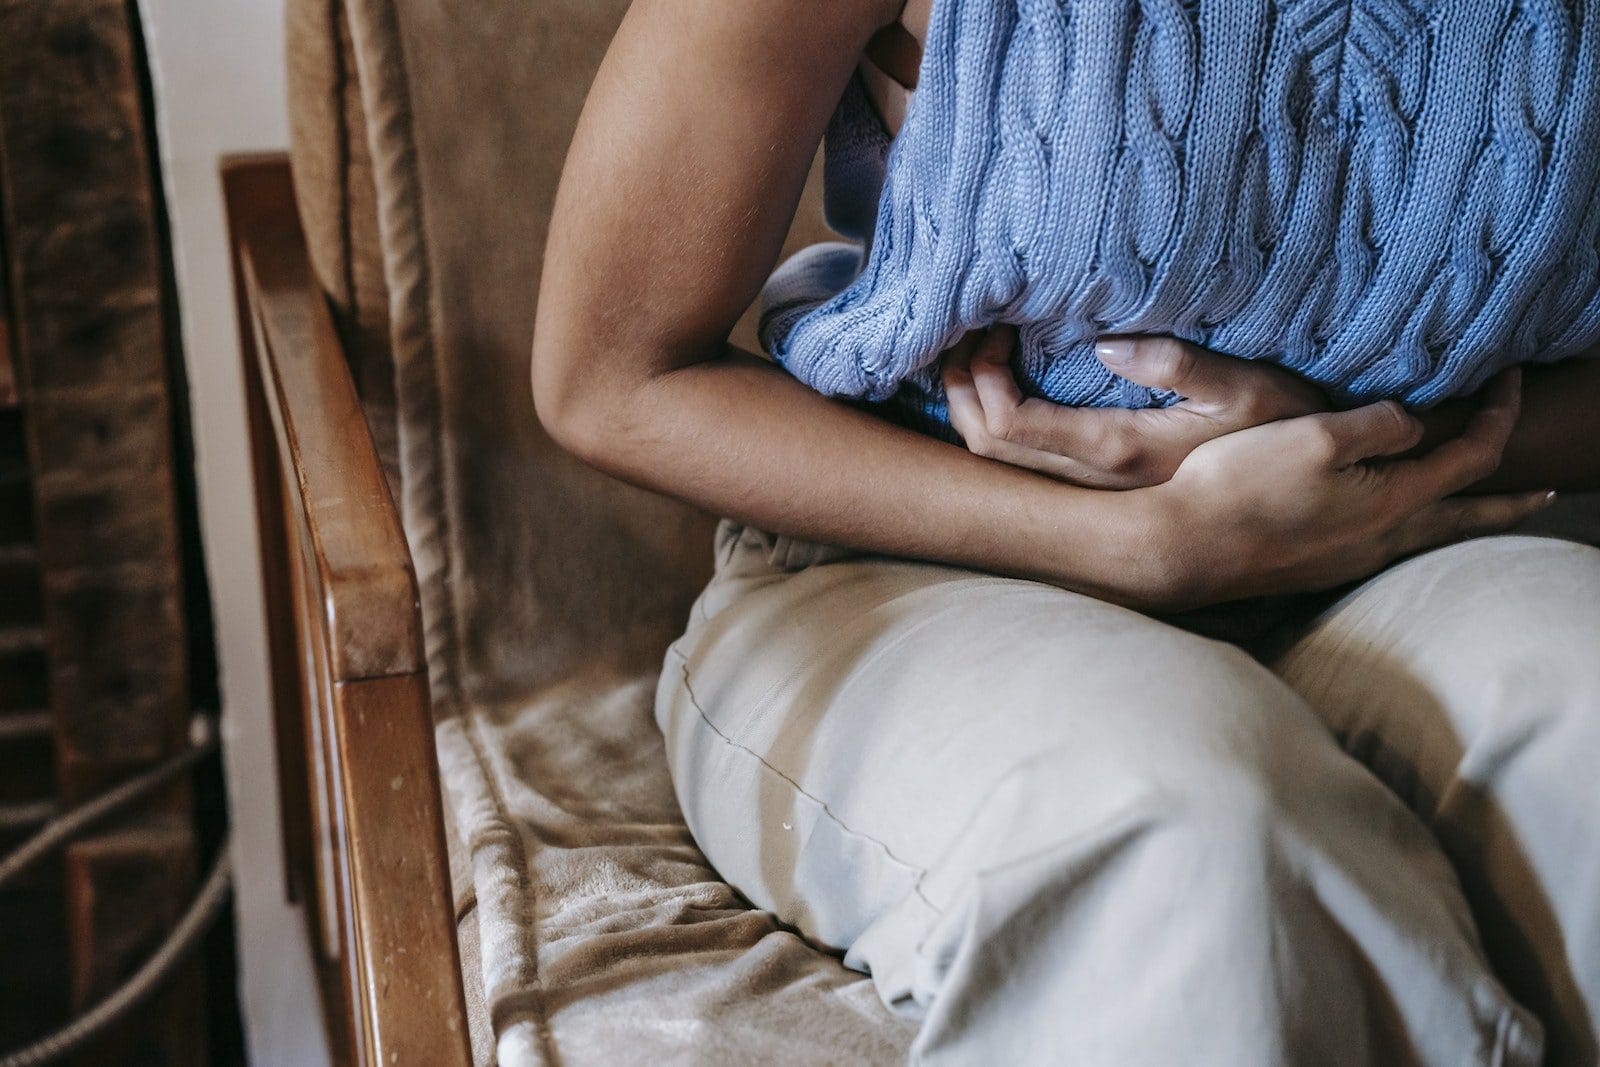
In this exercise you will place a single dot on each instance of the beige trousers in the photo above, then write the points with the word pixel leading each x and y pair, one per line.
pixel 1058 831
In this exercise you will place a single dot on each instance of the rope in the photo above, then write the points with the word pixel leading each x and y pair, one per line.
pixel 27 815
pixel 202 912
pixel 157 969
pixel 203 743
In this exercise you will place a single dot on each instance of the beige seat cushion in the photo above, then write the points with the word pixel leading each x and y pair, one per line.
pixel 428 138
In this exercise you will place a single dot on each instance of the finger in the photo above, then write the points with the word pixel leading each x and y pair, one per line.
pixel 1103 438
pixel 1457 518
pixel 955 373
pixel 996 385
pixel 1257 390
pixel 987 406
pixel 1024 433
pixel 1476 452
pixel 1119 442
pixel 998 344
pixel 991 372
pixel 989 429
pixel 968 419
pixel 966 413
pixel 960 354
pixel 1091 434
pixel 1348 437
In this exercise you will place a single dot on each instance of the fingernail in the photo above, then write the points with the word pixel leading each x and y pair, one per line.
pixel 1549 498
pixel 1114 349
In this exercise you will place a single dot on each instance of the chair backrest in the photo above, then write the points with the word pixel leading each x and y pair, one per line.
pixel 428 137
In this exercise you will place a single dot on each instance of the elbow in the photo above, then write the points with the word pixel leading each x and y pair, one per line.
pixel 565 407
pixel 583 393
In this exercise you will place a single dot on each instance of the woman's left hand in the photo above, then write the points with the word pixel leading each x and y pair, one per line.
pixel 1115 448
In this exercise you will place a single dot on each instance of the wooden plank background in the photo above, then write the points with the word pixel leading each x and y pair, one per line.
pixel 89 343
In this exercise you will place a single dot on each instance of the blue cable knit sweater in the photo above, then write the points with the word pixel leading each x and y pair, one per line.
pixel 1393 198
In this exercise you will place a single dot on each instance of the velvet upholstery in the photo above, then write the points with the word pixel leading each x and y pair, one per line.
pixel 428 138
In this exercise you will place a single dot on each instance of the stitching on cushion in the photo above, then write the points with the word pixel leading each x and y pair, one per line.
pixel 526 920
pixel 381 73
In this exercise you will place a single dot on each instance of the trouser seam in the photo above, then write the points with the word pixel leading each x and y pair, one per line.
pixel 822 805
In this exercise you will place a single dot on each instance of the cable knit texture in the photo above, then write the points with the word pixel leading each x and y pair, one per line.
pixel 1393 198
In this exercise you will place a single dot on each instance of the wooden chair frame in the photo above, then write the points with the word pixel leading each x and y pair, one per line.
pixel 364 842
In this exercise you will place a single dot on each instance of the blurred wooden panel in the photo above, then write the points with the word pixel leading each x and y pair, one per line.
pixel 83 247
pixel 96 558
pixel 8 374
pixel 125 890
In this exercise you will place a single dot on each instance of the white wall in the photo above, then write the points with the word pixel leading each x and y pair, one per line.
pixel 218 74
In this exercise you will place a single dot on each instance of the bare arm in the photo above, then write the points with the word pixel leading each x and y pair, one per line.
pixel 679 187
pixel 1557 440
pixel 678 191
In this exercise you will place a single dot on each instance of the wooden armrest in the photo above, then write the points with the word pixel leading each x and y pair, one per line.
pixel 364 832
pixel 363 565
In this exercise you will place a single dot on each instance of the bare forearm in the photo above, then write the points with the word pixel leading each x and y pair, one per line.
pixel 1556 443
pixel 739 437
pixel 679 187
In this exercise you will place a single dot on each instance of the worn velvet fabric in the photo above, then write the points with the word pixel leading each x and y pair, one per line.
pixel 427 148
pixel 1392 198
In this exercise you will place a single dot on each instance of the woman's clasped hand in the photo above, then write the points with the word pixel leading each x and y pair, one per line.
pixel 1251 484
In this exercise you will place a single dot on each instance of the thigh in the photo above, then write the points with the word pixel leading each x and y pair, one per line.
pixel 1444 667
pixel 1468 679
pixel 834 726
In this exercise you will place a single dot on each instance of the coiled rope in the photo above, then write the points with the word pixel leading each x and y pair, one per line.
pixel 183 938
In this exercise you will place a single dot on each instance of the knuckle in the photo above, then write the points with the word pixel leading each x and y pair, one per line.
pixel 1418 503
pixel 1483 518
pixel 980 444
pixel 1173 360
pixel 1454 519
pixel 1430 528
pixel 1262 403
pixel 1000 423
pixel 1481 463
pixel 1120 453
pixel 973 436
pixel 1396 416
pixel 1395 508
pixel 1321 441
pixel 1493 515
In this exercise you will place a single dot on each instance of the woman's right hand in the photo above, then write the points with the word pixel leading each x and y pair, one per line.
pixel 1114 448
pixel 1316 501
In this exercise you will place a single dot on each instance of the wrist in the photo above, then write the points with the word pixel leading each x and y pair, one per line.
pixel 1164 530
pixel 1143 559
